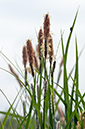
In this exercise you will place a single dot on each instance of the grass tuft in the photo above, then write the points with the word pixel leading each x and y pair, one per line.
pixel 41 96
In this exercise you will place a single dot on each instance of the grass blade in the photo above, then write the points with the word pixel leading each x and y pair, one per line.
pixel 7 114
pixel 71 30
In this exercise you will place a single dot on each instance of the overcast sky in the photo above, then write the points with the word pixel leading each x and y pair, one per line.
pixel 21 19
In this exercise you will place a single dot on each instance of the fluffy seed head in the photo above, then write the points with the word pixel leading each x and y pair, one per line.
pixel 12 70
pixel 15 74
pixel 37 48
pixel 24 56
pixel 46 26
pixel 40 39
pixel 35 61
pixel 50 50
pixel 30 51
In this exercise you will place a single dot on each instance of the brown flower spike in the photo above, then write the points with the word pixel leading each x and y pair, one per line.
pixel 15 74
pixel 46 26
pixel 35 61
pixel 30 53
pixel 50 51
pixel 40 45
pixel 24 55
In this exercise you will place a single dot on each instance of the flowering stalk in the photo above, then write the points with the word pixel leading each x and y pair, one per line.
pixel 47 42
pixel 46 27
pixel 15 74
pixel 35 61
pixel 50 50
pixel 24 56
pixel 40 43
pixel 46 31
pixel 32 61
pixel 30 53
pixel 52 83
pixel 44 106
pixel 40 51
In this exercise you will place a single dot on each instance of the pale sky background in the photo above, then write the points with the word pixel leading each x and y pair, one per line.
pixel 18 21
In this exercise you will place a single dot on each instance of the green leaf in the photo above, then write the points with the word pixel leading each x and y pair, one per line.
pixel 8 112
pixel 69 38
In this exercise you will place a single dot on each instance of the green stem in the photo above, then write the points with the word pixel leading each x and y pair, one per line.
pixel 44 122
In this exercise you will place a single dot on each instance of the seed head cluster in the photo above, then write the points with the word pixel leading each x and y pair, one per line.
pixel 44 41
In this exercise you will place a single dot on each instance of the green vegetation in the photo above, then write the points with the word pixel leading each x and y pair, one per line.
pixel 41 95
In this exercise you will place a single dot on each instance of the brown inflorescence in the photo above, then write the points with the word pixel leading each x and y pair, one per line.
pixel 37 48
pixel 46 26
pixel 54 64
pixel 15 74
pixel 50 49
pixel 40 44
pixel 24 55
pixel 35 62
pixel 30 53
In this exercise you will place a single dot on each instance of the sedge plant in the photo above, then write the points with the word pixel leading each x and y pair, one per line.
pixel 41 95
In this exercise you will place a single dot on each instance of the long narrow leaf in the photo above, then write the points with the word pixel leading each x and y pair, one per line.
pixel 5 119
pixel 71 30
